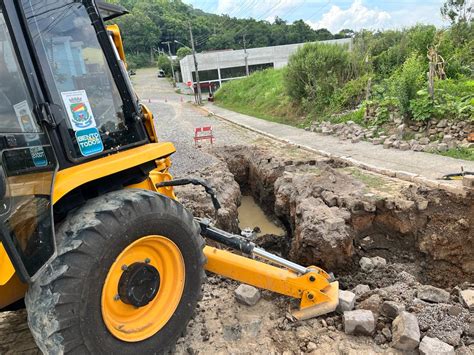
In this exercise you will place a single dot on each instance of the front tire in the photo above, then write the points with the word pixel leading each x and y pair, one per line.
pixel 75 306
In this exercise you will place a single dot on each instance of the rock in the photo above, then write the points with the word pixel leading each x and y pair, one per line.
pixel 387 144
pixel 442 147
pixel 377 141
pixel 378 261
pixel 433 294
pixel 400 131
pixel 311 346
pixel 405 332
pixel 360 290
pixel 392 309
pixel 387 333
pixel 366 264
pixel 468 181
pixel 346 301
pixel 442 124
pixel 424 141
pixel 359 322
pixel 380 339
pixel 429 346
pixel 417 148
pixel 404 146
pixel 329 198
pixel 248 295
pixel 373 303
pixel 467 298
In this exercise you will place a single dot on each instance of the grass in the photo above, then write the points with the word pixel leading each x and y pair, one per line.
pixel 459 153
pixel 261 95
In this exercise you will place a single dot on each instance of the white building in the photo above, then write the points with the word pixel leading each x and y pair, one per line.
pixel 220 66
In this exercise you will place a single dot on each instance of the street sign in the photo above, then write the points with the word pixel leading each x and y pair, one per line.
pixel 189 84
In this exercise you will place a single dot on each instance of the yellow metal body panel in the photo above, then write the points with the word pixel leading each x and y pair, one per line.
pixel 11 292
pixel 313 288
pixel 115 30
pixel 69 179
pixel 6 267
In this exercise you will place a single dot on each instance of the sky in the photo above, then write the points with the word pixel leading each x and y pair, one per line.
pixel 332 14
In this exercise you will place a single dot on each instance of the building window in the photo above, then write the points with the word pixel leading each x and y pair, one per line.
pixel 234 72
pixel 206 75
pixel 257 67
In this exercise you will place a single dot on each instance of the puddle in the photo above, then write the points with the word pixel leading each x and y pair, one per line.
pixel 251 216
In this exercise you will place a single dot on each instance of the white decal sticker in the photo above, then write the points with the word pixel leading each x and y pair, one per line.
pixel 79 110
pixel 26 120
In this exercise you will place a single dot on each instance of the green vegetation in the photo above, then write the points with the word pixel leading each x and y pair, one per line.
pixel 384 76
pixel 152 22
pixel 459 153
pixel 261 95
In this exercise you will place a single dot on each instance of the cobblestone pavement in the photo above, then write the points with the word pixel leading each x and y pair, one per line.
pixel 427 165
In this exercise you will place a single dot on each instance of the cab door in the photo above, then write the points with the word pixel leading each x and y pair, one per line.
pixel 27 161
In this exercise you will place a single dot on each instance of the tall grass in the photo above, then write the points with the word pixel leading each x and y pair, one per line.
pixel 261 95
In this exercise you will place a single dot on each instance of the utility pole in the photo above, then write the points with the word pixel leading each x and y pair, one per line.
pixel 198 83
pixel 247 72
pixel 171 61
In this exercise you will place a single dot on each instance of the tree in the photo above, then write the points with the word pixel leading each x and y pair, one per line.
pixel 183 52
pixel 457 11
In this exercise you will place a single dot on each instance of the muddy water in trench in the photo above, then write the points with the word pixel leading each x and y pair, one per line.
pixel 251 216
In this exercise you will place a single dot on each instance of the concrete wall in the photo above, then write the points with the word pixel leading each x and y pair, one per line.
pixel 278 55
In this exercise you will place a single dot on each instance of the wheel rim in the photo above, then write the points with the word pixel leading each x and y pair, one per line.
pixel 130 323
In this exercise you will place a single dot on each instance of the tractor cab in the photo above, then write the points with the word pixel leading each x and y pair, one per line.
pixel 65 99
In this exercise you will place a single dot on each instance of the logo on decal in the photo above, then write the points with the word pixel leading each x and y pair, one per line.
pixel 80 113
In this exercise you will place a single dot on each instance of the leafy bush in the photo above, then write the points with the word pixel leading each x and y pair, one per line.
pixel 350 95
pixel 316 71
pixel 453 100
pixel 407 81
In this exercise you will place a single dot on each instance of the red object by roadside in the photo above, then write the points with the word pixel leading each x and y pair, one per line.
pixel 470 137
pixel 203 133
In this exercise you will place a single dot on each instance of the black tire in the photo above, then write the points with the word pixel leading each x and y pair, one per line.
pixel 64 304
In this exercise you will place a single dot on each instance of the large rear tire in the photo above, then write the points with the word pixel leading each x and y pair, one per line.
pixel 75 306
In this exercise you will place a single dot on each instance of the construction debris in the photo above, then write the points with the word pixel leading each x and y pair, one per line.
pixel 248 295
pixel 392 309
pixel 430 346
pixel 433 294
pixel 347 301
pixel 360 322
pixel 467 298
pixel 405 332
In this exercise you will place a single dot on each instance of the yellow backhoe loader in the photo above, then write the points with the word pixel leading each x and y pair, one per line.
pixel 92 236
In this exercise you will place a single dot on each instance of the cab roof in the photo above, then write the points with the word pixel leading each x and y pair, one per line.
pixel 110 11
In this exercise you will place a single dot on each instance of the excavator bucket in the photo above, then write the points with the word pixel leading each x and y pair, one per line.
pixel 332 293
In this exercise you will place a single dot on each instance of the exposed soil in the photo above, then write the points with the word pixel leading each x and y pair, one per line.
pixel 333 215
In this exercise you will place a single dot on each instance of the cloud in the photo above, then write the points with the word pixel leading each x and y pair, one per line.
pixel 357 16
pixel 258 9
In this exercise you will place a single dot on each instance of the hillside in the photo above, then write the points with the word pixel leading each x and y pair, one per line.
pixel 150 23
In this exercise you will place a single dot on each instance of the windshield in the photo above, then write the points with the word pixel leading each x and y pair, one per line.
pixel 27 166
pixel 15 104
pixel 78 76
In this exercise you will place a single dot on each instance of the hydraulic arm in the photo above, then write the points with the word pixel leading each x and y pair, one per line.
pixel 312 286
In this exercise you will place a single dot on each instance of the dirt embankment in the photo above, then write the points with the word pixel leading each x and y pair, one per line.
pixel 335 214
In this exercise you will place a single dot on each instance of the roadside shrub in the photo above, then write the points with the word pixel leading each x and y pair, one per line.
pixel 316 71
pixel 452 100
pixel 407 81
pixel 351 94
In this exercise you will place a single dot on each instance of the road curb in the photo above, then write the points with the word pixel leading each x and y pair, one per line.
pixel 398 174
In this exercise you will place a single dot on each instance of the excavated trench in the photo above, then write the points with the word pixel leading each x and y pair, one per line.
pixel 334 214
